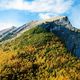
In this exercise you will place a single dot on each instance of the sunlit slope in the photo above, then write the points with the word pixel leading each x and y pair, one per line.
pixel 37 55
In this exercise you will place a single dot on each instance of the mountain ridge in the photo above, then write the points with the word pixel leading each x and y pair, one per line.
pixel 27 26
pixel 60 25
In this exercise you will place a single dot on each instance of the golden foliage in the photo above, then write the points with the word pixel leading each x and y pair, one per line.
pixel 21 60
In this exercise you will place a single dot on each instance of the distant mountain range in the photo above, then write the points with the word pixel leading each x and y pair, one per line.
pixel 14 31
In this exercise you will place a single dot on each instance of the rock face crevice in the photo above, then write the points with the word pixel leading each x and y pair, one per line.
pixel 67 33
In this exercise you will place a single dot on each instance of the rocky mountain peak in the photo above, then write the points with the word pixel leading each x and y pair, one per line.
pixel 59 21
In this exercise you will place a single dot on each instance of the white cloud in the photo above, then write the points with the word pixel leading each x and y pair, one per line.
pixel 46 15
pixel 4 25
pixel 53 6
pixel 40 6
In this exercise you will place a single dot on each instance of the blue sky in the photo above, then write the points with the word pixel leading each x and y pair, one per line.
pixel 19 12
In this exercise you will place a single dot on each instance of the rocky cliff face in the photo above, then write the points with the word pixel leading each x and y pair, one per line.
pixel 67 33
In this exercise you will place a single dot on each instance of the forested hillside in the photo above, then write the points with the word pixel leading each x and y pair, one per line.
pixel 37 55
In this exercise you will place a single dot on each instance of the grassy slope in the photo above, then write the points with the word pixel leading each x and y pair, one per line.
pixel 37 55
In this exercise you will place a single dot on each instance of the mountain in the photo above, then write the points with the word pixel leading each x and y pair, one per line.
pixel 37 54
pixel 40 52
pixel 60 26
